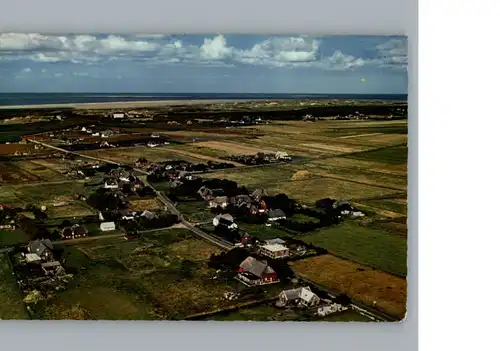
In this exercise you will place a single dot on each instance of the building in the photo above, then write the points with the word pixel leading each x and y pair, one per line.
pixel 119 115
pixel 219 201
pixel 276 215
pixel 107 226
pixel 257 194
pixel 300 297
pixel 111 184
pixel 274 250
pixel 76 231
pixel 225 221
pixel 282 156
pixel 52 268
pixel 43 248
pixel 326 310
pixel 33 258
pixel 253 272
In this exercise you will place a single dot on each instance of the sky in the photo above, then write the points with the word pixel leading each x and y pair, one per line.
pixel 143 63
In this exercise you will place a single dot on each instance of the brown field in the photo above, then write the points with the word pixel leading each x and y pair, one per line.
pixel 145 204
pixel 74 209
pixel 335 149
pixel 39 169
pixel 10 174
pixel 10 149
pixel 232 148
pixel 308 191
pixel 378 210
pixel 202 157
pixel 192 249
pixel 372 287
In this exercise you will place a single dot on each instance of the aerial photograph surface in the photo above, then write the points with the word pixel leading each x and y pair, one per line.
pixel 206 177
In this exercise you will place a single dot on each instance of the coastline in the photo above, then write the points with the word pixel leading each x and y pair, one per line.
pixel 125 104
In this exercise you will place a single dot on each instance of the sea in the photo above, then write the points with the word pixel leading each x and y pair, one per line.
pixel 9 99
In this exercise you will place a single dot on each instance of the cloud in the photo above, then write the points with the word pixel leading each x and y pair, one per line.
pixel 26 70
pixel 273 52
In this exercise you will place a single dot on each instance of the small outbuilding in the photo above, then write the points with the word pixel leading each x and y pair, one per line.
pixel 107 226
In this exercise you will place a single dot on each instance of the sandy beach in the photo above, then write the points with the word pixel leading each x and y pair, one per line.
pixel 123 104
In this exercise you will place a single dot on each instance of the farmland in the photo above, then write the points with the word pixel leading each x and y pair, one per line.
pixel 164 274
pixel 370 286
pixel 11 306
pixel 140 280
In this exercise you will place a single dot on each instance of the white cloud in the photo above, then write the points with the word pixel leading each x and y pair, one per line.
pixel 215 49
pixel 273 52
pixel 57 75
pixel 80 74
pixel 26 70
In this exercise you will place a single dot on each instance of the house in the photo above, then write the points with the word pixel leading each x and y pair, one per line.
pixel 282 156
pixel 242 201
pixel 107 133
pixel 148 215
pixel 42 247
pixel 300 297
pixel 257 194
pixel 219 201
pixel 225 221
pixel 253 272
pixel 52 268
pixel 119 115
pixel 274 250
pixel 107 226
pixel 151 144
pixel 33 258
pixel 111 184
pixel 276 215
pixel 76 231
pixel 80 231
pixel 357 214
pixel 155 135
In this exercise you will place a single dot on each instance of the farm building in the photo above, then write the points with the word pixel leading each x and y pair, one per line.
pixel 225 220
pixel 42 248
pixel 107 226
pixel 254 272
pixel 119 115
pixel 274 250
pixel 300 297
pixel 276 215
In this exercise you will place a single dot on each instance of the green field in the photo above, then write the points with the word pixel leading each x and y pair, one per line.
pixel 163 275
pixel 195 211
pixel 11 305
pixel 390 155
pixel 365 245
pixel 13 237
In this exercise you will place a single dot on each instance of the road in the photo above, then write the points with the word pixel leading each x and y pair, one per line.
pixel 225 245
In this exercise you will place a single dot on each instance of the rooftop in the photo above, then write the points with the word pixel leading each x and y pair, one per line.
pixel 274 247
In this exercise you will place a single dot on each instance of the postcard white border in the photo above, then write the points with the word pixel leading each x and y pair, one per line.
pixel 226 16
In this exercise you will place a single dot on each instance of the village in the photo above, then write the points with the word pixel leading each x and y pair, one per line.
pixel 217 204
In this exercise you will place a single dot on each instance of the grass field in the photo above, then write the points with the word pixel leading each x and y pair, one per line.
pixel 162 276
pixel 391 155
pixel 74 209
pixel 365 245
pixel 11 305
pixel 372 287
pixel 13 237
pixel 195 211
pixel 46 194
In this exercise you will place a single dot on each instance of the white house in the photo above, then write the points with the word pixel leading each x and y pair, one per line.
pixel 107 226
pixel 111 184
pixel 274 250
pixel 301 297
pixel 118 115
